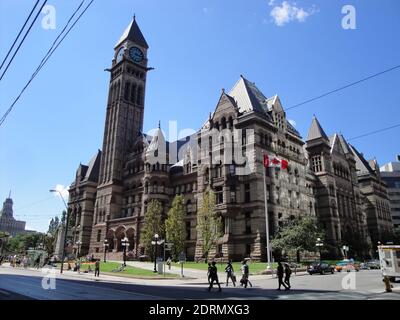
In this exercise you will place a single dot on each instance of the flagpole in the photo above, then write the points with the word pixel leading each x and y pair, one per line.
pixel 266 215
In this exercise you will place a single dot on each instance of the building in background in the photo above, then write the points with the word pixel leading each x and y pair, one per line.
pixel 376 198
pixel 7 221
pixel 109 197
pixel 390 173
pixel 339 204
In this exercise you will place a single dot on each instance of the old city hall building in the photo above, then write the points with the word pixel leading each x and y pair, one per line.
pixel 109 196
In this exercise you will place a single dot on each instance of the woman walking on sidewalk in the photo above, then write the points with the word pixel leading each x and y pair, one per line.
pixel 229 273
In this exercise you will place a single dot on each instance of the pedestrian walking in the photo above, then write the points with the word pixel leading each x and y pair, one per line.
pixel 230 273
pixel 245 275
pixel 169 261
pixel 97 268
pixel 288 273
pixel 209 272
pixel 213 276
pixel 78 266
pixel 280 273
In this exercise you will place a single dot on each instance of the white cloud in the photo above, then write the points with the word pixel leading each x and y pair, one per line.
pixel 288 11
pixel 292 122
pixel 205 10
pixel 63 190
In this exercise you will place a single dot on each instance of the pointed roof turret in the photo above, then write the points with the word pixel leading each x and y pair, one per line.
pixel 247 96
pixel 157 146
pixel 133 33
pixel 316 131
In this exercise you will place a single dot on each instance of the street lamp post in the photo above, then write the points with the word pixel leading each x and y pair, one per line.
pixel 156 236
pixel 66 231
pixel 125 243
pixel 78 246
pixel 105 249
pixel 319 245
pixel 345 250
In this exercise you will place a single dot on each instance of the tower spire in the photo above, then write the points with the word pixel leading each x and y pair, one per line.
pixel 9 195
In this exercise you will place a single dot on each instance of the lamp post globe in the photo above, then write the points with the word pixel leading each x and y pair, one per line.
pixel 156 236
pixel 105 249
pixel 125 243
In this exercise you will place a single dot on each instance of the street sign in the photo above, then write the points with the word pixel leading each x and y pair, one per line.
pixel 168 246
pixel 182 257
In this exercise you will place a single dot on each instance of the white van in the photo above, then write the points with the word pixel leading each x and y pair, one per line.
pixel 389 258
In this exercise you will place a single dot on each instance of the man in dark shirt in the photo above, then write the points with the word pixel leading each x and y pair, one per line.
pixel 280 273
pixel 213 276
pixel 97 268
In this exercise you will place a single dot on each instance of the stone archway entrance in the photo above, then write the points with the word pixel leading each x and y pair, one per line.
pixel 130 234
pixel 120 233
pixel 110 240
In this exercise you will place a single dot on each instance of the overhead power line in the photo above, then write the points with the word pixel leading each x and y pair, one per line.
pixel 343 87
pixel 23 40
pixel 20 32
pixel 374 132
pixel 48 55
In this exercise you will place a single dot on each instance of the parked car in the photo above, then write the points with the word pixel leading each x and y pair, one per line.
pixel 320 267
pixel 347 265
pixel 373 264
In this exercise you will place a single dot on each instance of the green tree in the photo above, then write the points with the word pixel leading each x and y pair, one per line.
pixel 175 226
pixel 297 235
pixel 153 224
pixel 208 223
pixel 22 242
pixel 53 226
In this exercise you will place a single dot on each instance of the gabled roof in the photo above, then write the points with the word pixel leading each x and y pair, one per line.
pixel 157 143
pixel 345 145
pixel 362 165
pixel 335 144
pixel 223 99
pixel 133 33
pixel 248 97
pixel 316 131
pixel 92 173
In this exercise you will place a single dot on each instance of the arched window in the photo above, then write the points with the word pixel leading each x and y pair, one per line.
pixel 133 93
pixel 188 207
pixel 126 91
pixel 139 99
pixel 223 123
pixel 230 121
pixel 117 91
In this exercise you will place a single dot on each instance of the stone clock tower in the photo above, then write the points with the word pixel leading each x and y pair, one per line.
pixel 124 121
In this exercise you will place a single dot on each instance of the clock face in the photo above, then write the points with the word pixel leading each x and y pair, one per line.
pixel 120 54
pixel 136 54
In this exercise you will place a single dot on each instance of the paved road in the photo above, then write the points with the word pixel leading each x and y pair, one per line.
pixel 71 286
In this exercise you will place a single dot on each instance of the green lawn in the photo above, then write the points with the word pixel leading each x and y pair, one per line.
pixel 129 271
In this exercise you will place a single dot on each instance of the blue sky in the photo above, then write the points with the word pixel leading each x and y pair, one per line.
pixel 197 48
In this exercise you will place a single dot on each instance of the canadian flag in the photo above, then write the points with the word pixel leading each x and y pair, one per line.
pixel 275 162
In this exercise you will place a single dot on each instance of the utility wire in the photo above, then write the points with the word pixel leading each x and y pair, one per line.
pixel 33 203
pixel 23 40
pixel 374 132
pixel 16 39
pixel 52 49
pixel 342 88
